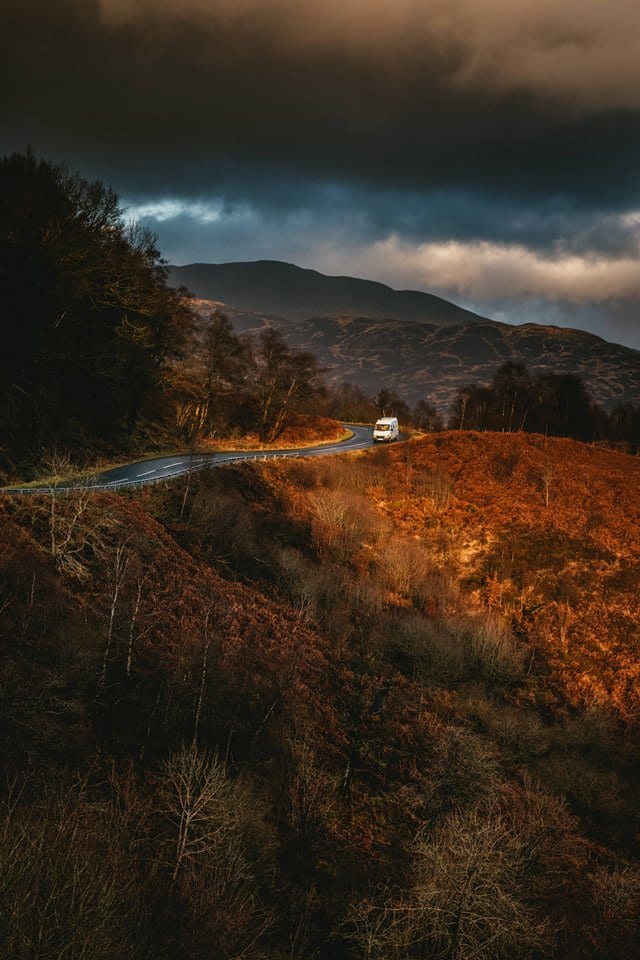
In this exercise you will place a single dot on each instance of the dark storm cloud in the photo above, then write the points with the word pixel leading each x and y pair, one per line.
pixel 356 215
pixel 485 149
pixel 167 97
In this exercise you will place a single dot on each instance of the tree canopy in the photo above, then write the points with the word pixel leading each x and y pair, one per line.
pixel 556 404
pixel 88 317
pixel 286 379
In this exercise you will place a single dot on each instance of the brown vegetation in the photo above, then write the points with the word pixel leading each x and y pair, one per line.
pixel 308 709
pixel 303 430
pixel 381 707
pixel 546 531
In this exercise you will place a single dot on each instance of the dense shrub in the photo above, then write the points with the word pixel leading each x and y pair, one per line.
pixel 275 710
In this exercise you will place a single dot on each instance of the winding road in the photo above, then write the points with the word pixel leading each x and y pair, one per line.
pixel 165 468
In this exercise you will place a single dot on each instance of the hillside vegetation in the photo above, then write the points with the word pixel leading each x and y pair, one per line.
pixel 100 355
pixel 547 531
pixel 426 353
pixel 89 321
pixel 369 707
pixel 378 707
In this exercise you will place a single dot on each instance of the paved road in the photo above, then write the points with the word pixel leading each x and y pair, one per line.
pixel 163 468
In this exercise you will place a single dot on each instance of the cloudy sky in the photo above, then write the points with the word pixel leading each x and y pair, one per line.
pixel 485 150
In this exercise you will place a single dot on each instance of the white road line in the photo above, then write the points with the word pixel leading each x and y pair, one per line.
pixel 359 440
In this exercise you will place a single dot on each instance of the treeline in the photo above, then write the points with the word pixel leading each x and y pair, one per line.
pixel 550 403
pixel 88 318
pixel 237 383
pixel 554 404
pixel 99 353
pixel 348 401
pixel 260 387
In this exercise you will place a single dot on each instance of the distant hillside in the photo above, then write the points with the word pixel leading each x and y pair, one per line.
pixel 284 290
pixel 413 342
pixel 424 360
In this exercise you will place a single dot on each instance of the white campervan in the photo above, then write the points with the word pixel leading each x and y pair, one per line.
pixel 386 429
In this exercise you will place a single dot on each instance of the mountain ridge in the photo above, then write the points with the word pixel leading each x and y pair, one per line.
pixel 423 358
pixel 284 289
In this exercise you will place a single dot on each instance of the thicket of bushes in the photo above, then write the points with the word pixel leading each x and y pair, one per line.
pixel 257 721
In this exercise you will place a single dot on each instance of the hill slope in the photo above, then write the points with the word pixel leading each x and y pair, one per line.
pixel 415 343
pixel 285 290
pixel 423 360
pixel 547 531
pixel 358 682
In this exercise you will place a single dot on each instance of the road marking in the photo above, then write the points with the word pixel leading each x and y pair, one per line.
pixel 359 440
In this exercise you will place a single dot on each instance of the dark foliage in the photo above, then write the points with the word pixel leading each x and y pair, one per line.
pixel 389 404
pixel 348 401
pixel 550 403
pixel 236 384
pixel 427 417
pixel 286 381
pixel 87 316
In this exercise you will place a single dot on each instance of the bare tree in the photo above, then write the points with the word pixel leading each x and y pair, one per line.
pixel 69 532
pixel 120 563
pixel 285 379
pixel 135 611
pixel 207 815
pixel 203 678
pixel 546 476
pixel 467 900
pixel 64 891
pixel 198 801
pixel 380 928
pixel 468 889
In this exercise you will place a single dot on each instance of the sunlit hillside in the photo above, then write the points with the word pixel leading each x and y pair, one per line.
pixel 545 530
pixel 377 707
